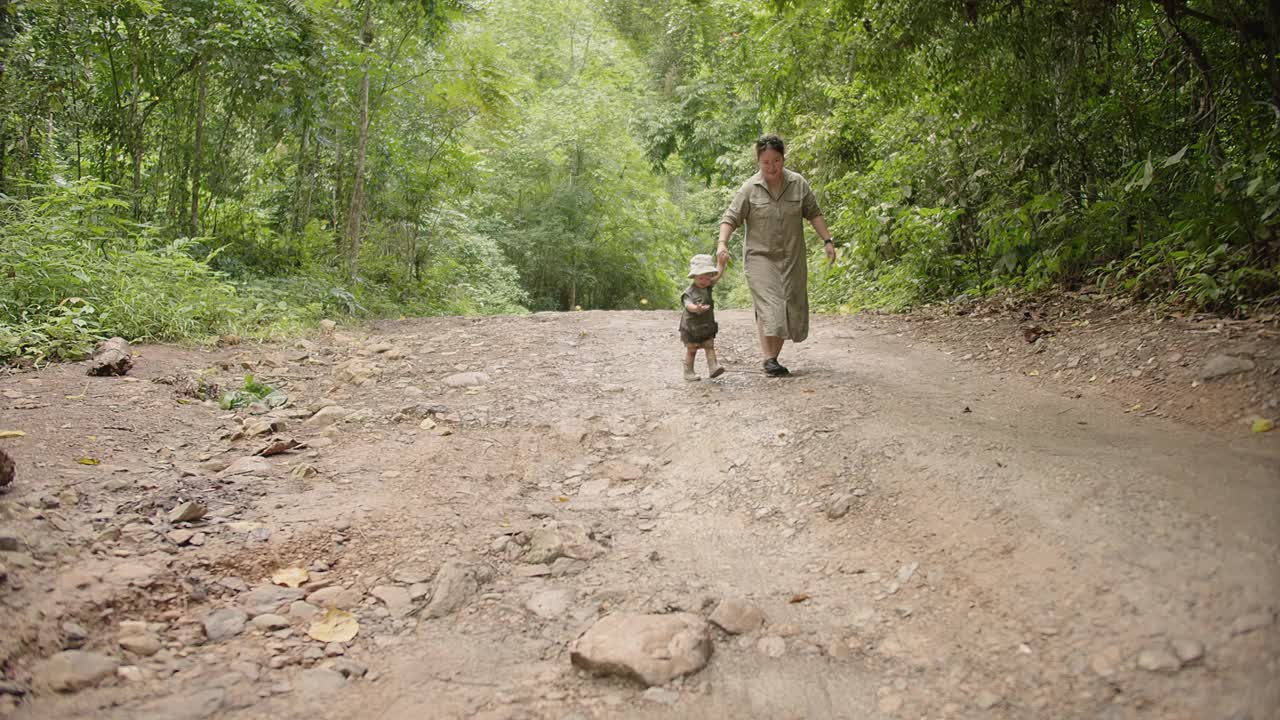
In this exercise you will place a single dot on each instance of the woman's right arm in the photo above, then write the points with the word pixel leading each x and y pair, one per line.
pixel 733 218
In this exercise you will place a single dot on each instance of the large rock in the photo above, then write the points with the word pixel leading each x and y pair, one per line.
pixel 224 623
pixel 560 539
pixel 267 599
pixel 1220 366
pixel 737 616
pixel 111 358
pixel 653 649
pixel 72 670
pixel 456 583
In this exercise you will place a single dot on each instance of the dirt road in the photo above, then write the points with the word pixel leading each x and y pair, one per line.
pixel 924 537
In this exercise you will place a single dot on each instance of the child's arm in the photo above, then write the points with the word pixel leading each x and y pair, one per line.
pixel 693 307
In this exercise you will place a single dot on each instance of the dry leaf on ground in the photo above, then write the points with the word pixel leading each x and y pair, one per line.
pixel 290 576
pixel 334 626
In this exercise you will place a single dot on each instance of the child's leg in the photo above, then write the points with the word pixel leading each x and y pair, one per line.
pixel 690 354
pixel 714 369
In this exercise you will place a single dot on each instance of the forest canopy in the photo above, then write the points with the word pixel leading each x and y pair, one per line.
pixel 178 169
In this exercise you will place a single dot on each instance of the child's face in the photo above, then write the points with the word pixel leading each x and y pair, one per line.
pixel 705 279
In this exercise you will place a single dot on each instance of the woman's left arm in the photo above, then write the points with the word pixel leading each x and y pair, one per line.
pixel 809 209
pixel 828 244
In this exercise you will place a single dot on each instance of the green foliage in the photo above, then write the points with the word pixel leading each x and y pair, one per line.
pixel 251 392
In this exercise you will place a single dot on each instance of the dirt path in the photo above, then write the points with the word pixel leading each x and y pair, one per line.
pixel 926 538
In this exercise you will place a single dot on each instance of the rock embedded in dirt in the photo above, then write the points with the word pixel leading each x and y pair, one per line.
pixel 250 465
pixel 560 539
pixel 661 696
pixel 180 537
pixel 456 583
pixel 111 358
pixel 74 636
pixel 326 416
pixel 772 646
pixel 187 512
pixel 397 599
pixel 224 623
pixel 737 616
pixel 72 670
pixel 144 644
pixel 336 597
pixel 550 604
pixel 1220 366
pixel 840 507
pixel 411 575
pixel 1253 621
pixel 349 668
pixel 267 599
pixel 1188 651
pixel 1159 659
pixel 270 621
pixel 1106 662
pixel 319 681
pixel 467 379
pixel 652 649
pixel 986 699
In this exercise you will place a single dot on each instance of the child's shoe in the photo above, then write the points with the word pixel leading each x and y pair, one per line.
pixel 689 374
pixel 714 368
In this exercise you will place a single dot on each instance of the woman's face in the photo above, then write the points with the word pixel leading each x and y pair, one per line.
pixel 770 162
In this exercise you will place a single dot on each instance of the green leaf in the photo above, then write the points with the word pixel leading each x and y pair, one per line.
pixel 1175 158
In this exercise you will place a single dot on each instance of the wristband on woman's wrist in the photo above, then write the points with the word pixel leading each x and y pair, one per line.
pixel 829 241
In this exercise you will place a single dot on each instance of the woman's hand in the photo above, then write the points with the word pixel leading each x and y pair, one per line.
pixel 722 253
pixel 830 248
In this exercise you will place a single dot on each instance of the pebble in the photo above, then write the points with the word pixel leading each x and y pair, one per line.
pixel 338 597
pixel 890 704
pixel 1220 366
pixel 456 583
pixel 350 668
pixel 267 599
pixel 1106 662
pixel 73 636
pixel 144 644
pixel 303 609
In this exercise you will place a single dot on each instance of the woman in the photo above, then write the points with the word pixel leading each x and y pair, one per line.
pixel 773 204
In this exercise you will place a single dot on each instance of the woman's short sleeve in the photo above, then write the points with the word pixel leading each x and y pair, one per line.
pixel 809 204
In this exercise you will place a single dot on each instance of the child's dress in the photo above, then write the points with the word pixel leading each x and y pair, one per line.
pixel 696 329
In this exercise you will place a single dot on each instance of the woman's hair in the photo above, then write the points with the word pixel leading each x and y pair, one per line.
pixel 770 142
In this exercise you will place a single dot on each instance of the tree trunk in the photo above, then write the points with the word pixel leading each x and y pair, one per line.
pixel 300 183
pixel 199 149
pixel 362 139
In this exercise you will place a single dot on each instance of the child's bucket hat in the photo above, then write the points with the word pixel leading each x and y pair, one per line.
pixel 701 265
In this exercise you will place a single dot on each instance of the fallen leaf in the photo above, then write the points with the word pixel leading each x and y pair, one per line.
pixel 798 598
pixel 1134 408
pixel 276 448
pixel 1033 373
pixel 334 626
pixel 88 461
pixel 11 434
pixel 1263 425
pixel 290 576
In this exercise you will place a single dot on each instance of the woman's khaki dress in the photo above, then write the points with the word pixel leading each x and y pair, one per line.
pixel 773 253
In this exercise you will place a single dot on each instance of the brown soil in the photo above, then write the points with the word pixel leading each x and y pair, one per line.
pixel 1016 545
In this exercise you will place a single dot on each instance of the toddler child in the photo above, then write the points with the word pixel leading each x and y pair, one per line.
pixel 698 321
